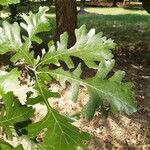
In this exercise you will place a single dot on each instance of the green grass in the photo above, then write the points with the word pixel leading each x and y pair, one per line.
pixel 116 11
pixel 122 28
pixel 123 25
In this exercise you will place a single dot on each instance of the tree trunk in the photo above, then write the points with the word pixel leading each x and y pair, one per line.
pixel 66 19
pixel 82 2
pixel 146 5
pixel 14 12
pixel 124 2
pixel 114 3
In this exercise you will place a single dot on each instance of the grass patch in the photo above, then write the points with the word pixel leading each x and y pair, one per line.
pixel 127 27
pixel 116 10
pixel 122 25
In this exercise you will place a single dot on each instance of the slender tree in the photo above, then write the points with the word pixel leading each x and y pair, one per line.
pixel 13 11
pixel 82 2
pixel 114 3
pixel 146 5
pixel 66 19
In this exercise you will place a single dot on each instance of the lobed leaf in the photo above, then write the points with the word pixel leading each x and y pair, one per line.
pixel 89 47
pixel 9 81
pixel 10 39
pixel 36 23
pixel 117 93
pixel 58 131
pixel 13 113
pixel 8 2
pixel 59 134
pixel 4 145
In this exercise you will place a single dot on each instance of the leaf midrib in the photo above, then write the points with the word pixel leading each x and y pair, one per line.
pixel 15 118
pixel 88 85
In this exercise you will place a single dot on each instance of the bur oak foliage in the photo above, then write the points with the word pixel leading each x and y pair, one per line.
pixel 58 131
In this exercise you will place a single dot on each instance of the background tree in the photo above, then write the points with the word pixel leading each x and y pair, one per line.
pixel 66 19
pixel 82 2
pixel 114 3
pixel 146 5
pixel 13 11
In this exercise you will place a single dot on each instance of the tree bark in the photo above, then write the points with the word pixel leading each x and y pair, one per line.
pixel 146 5
pixel 114 3
pixel 82 2
pixel 14 12
pixel 66 19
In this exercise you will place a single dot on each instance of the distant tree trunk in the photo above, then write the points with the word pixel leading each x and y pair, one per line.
pixel 26 4
pixel 82 2
pixel 66 19
pixel 146 5
pixel 124 2
pixel 1 7
pixel 94 1
pixel 14 12
pixel 114 3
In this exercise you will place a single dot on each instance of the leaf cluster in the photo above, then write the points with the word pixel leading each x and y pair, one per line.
pixel 58 131
pixel 8 2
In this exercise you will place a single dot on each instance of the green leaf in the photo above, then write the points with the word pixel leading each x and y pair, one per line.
pixel 36 23
pixel 57 130
pixel 94 102
pixel 19 147
pixel 24 54
pixel 4 145
pixel 89 47
pixel 39 98
pixel 13 113
pixel 10 39
pixel 117 93
pixel 8 2
pixel 9 81
pixel 60 134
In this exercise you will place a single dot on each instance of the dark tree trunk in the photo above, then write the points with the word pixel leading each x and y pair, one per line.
pixel 14 12
pixel 66 19
pixel 82 2
pixel 114 3
pixel 146 5
pixel 26 4
pixel 1 7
